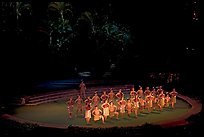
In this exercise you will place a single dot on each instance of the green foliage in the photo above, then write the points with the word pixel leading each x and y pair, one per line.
pixel 115 32
pixel 60 30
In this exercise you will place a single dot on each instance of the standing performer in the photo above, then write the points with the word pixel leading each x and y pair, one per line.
pixel 147 91
pixel 119 95
pixel 105 107
pixel 96 99
pixel 88 101
pixel 82 89
pixel 129 107
pixel 132 94
pixel 111 95
pixel 136 105
pixel 142 104
pixel 167 100
pixel 70 106
pixel 149 100
pixel 154 92
pixel 122 104
pixel 155 102
pixel 88 113
pixel 104 97
pixel 140 92
pixel 159 90
pixel 113 110
pixel 79 105
pixel 173 94
pixel 161 100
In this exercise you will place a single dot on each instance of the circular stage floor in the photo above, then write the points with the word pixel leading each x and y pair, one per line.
pixel 54 114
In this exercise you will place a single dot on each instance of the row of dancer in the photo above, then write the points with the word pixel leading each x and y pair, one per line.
pixel 158 97
pixel 114 104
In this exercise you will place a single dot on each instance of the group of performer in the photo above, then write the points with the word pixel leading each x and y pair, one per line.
pixel 113 104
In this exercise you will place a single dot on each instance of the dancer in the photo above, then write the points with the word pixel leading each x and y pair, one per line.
pixel 173 94
pixel 70 106
pixel 111 95
pixel 129 107
pixel 96 99
pixel 140 92
pixel 88 113
pixel 142 103
pixel 122 105
pixel 167 100
pixel 149 100
pixel 88 101
pixel 136 106
pixel 113 110
pixel 97 113
pixel 147 91
pixel 79 105
pixel 119 95
pixel 132 93
pixel 82 89
pixel 161 100
pixel 104 97
pixel 105 107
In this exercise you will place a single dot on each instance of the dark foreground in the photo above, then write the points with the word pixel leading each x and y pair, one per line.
pixel 11 128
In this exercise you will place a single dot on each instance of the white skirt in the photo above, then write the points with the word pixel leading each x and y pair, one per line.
pixel 88 114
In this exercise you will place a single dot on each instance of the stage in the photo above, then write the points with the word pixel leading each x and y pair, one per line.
pixel 50 110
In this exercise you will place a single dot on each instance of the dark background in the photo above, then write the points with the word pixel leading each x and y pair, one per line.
pixel 165 39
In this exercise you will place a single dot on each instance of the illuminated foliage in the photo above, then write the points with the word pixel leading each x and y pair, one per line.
pixel 115 32
pixel 61 10
pixel 60 30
